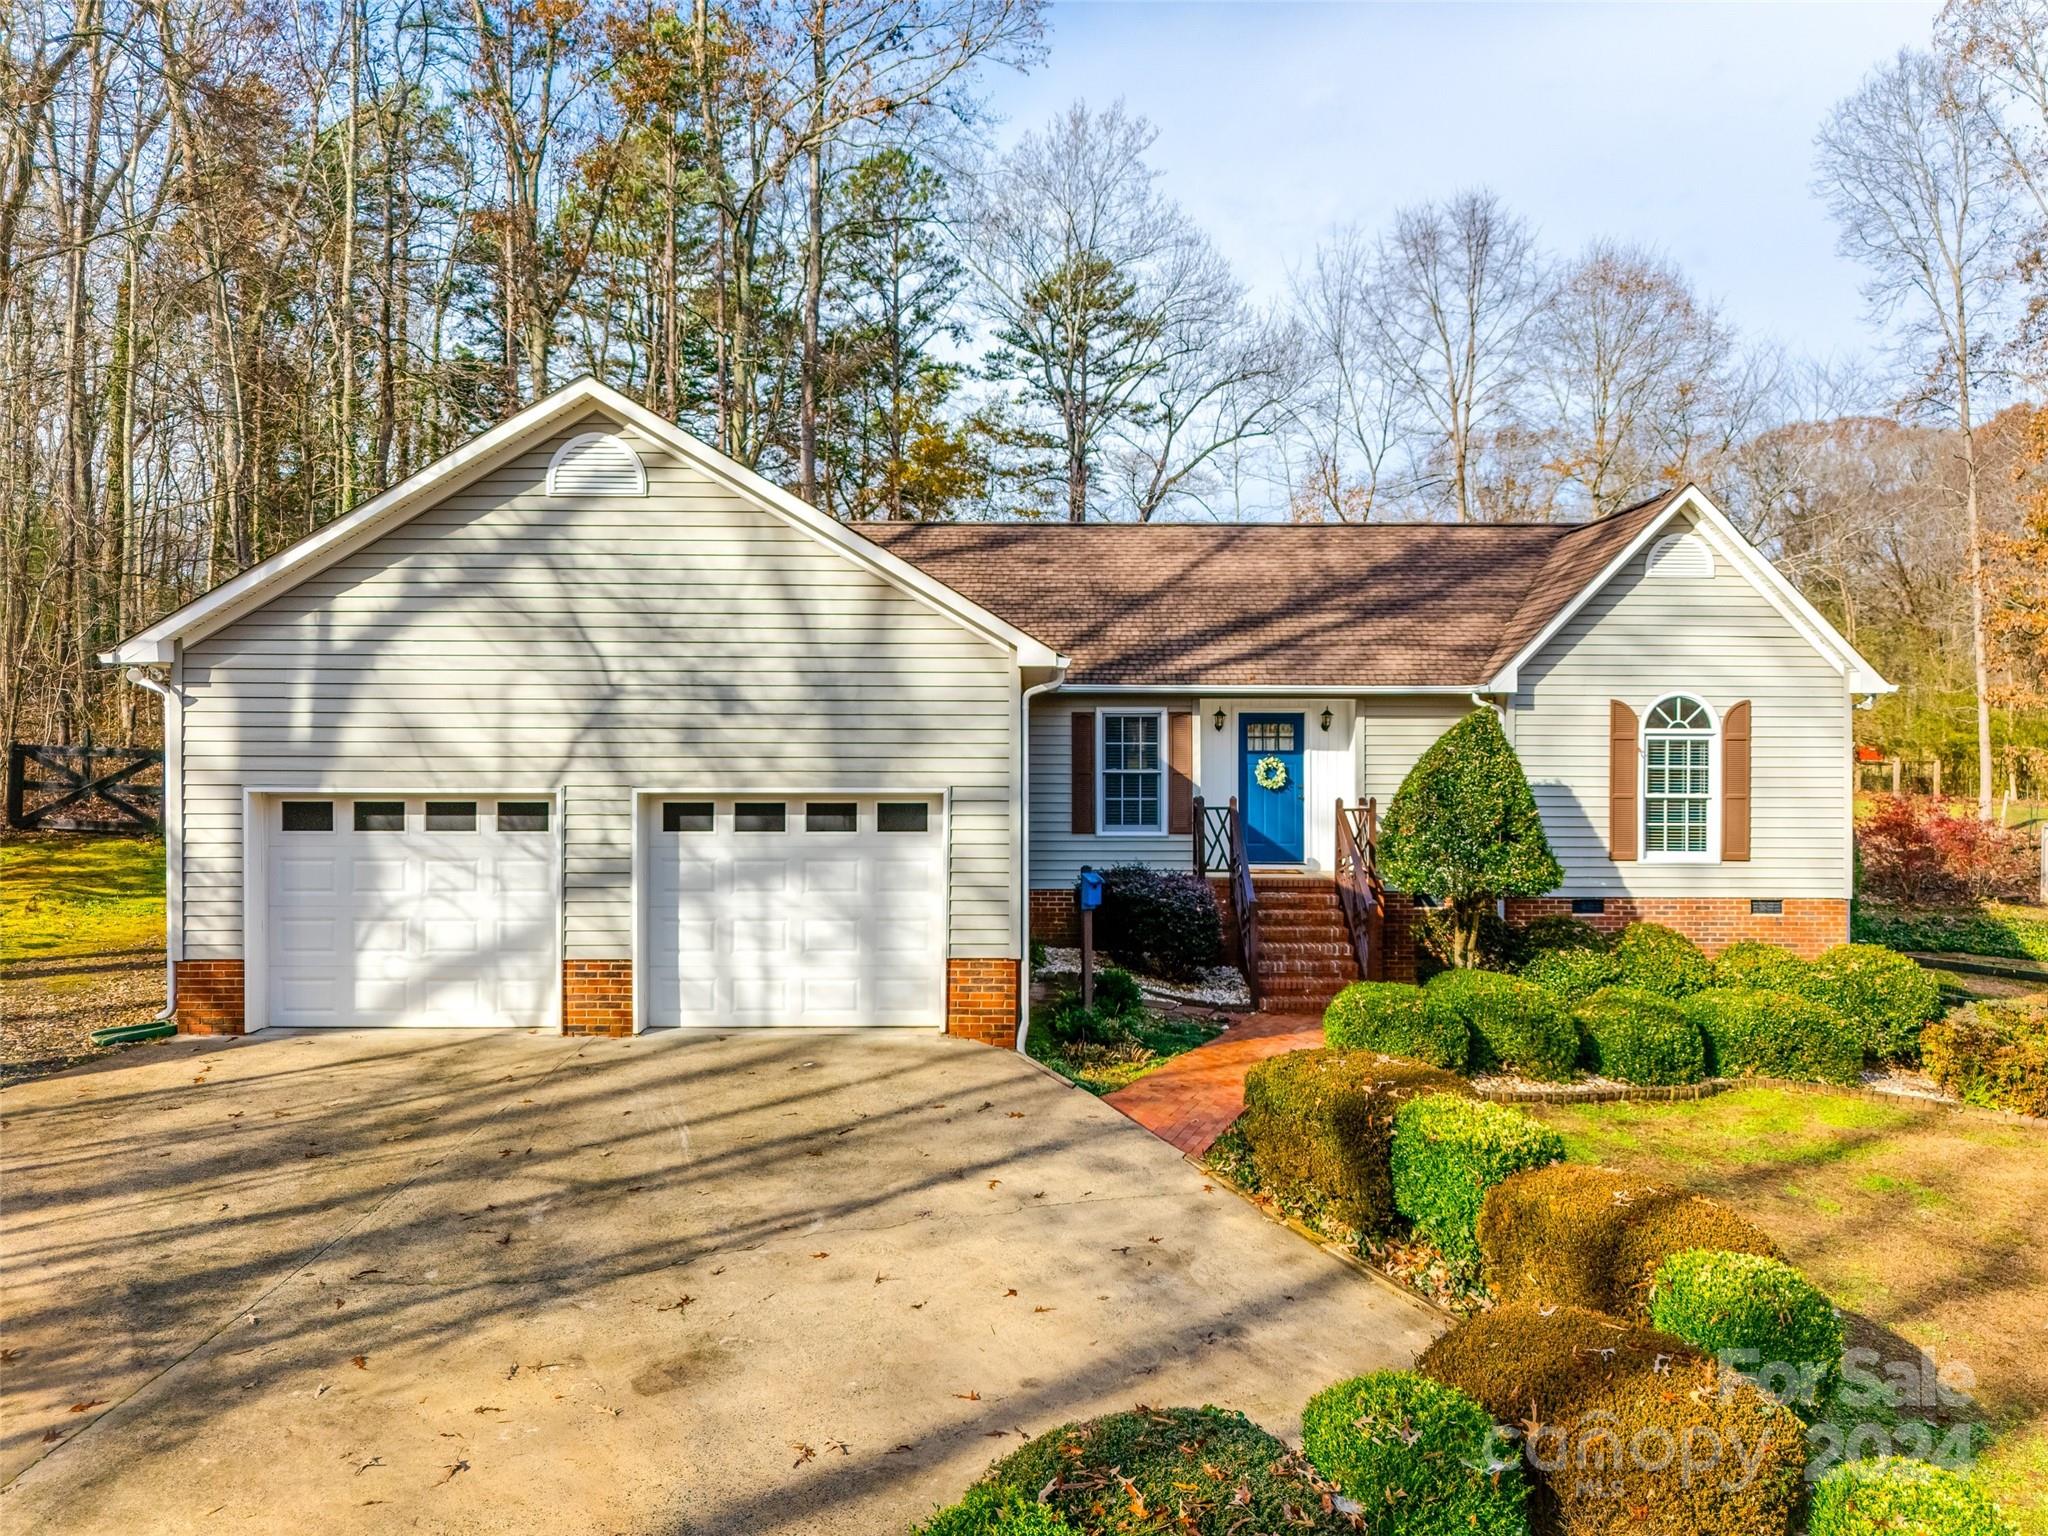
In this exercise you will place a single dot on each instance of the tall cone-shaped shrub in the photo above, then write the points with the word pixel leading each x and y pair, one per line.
pixel 1463 828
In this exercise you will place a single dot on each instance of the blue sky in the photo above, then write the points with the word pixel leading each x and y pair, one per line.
pixel 1687 127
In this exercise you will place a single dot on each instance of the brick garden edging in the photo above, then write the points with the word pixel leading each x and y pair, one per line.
pixel 1607 1093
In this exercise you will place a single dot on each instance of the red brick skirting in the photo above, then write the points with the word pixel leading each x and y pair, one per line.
pixel 1054 919
pixel 981 1000
pixel 1808 925
pixel 597 997
pixel 209 997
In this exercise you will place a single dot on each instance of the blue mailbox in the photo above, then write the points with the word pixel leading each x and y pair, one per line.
pixel 1090 891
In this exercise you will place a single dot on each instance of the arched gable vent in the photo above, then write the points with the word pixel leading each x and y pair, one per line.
pixel 596 464
pixel 1680 554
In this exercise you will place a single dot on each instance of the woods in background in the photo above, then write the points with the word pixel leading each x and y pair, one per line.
pixel 260 260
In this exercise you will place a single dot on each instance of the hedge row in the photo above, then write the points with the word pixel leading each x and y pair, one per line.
pixel 1320 1126
pixel 1886 997
pixel 1448 1152
pixel 1992 1054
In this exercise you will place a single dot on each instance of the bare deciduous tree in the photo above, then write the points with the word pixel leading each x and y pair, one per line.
pixel 1906 168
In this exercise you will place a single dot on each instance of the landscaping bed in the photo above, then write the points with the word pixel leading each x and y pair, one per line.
pixel 1154 1039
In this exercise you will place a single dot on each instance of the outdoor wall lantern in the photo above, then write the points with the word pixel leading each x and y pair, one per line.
pixel 1219 717
pixel 1326 719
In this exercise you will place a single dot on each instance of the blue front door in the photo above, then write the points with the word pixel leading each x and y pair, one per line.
pixel 1272 817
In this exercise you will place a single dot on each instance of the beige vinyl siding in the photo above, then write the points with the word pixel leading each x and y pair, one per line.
pixel 1721 640
pixel 1057 854
pixel 685 639
pixel 1396 731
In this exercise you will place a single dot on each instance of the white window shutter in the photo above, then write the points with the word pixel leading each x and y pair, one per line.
pixel 596 464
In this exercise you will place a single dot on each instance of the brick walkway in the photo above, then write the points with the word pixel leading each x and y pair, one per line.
pixel 1193 1098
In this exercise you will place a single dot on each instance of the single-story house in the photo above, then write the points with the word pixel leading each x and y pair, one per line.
pixel 587 727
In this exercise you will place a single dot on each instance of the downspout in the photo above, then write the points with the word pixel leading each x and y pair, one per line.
pixel 1057 680
pixel 174 841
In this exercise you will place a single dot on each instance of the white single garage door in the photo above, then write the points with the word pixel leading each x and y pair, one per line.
pixel 827 910
pixel 420 912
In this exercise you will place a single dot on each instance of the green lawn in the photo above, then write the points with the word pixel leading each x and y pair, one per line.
pixel 1996 929
pixel 1106 1068
pixel 1923 1222
pixel 80 896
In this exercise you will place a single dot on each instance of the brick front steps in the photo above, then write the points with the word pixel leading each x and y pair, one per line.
pixel 1305 955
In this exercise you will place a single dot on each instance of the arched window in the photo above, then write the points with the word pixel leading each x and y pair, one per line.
pixel 596 464
pixel 1678 779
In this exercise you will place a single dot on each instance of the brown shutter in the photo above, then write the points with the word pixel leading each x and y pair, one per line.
pixel 1180 772
pixel 1624 806
pixel 1084 771
pixel 1735 783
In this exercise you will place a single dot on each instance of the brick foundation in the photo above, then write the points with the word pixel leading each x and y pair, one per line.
pixel 597 997
pixel 981 1000
pixel 1807 926
pixel 209 997
pixel 1055 919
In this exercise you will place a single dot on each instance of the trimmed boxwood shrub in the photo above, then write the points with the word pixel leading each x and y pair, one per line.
pixel 1591 1237
pixel 1191 1471
pixel 1422 1458
pixel 1787 1333
pixel 1772 967
pixel 1514 1024
pixel 1774 1034
pixel 1449 1151
pixel 1892 1494
pixel 1992 1054
pixel 1573 974
pixel 1884 994
pixel 1320 1126
pixel 1390 1017
pixel 1638 1037
pixel 1548 935
pixel 1160 921
pixel 995 1512
pixel 1631 1430
pixel 1661 960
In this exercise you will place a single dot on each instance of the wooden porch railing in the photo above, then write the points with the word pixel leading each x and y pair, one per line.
pixel 1219 849
pixel 1359 891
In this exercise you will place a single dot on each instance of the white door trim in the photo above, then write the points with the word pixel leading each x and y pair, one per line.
pixel 643 795
pixel 256 865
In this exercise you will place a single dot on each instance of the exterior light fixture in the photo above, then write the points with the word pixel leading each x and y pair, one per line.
pixel 1326 719
pixel 1219 717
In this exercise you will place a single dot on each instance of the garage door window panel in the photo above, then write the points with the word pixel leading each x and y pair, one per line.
pixel 831 816
pixel 380 815
pixel 451 815
pixel 522 815
pixel 307 816
pixel 688 816
pixel 760 816
pixel 891 816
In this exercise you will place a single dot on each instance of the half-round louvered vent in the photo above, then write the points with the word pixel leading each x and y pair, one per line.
pixel 596 464
pixel 1680 554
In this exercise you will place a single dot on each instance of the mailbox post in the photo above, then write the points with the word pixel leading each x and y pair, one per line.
pixel 1087 897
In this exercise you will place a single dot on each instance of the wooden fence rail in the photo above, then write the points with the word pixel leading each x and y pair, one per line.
pixel 83 788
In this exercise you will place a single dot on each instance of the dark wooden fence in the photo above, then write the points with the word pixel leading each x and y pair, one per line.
pixel 84 788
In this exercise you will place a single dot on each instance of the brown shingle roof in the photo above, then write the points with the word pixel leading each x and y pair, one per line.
pixel 1378 605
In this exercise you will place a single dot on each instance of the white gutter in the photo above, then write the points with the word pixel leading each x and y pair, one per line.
pixel 174 841
pixel 1058 679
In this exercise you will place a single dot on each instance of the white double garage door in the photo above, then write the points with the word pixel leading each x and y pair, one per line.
pixel 753 911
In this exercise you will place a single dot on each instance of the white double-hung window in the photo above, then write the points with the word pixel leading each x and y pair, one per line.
pixel 1678 779
pixel 1131 749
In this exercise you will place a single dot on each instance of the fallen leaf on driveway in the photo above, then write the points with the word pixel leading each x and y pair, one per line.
pixel 898 1450
pixel 52 1434
pixel 986 1104
pixel 803 1453
pixel 968 1397
pixel 364 1274
pixel 677 1305
pixel 1041 1309
pixel 458 1466
pixel 9 1356
pixel 360 1362
pixel 838 1445
pixel 82 1407
pixel 992 1183
pixel 1016 1114
pixel 821 1254
pixel 1009 1293
pixel 374 1461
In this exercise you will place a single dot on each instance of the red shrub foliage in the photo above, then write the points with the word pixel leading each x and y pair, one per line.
pixel 1914 849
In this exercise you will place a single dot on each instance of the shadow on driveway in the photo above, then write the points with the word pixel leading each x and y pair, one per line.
pixel 507 1282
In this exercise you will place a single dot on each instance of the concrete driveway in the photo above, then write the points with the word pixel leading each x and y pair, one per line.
pixel 507 1282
